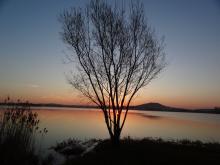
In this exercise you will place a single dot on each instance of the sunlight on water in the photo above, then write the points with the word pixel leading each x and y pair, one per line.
pixel 64 123
pixel 67 123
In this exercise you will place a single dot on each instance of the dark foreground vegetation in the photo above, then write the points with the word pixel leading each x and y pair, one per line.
pixel 18 131
pixel 151 152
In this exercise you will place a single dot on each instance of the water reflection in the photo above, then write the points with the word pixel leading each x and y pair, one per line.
pixel 150 116
pixel 85 124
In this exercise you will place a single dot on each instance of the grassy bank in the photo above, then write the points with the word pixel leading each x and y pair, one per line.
pixel 151 152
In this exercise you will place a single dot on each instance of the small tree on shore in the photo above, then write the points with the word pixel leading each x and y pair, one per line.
pixel 116 54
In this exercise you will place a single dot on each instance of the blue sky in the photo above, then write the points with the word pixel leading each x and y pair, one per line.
pixel 32 52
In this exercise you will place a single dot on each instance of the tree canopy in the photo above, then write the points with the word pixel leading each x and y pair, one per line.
pixel 116 53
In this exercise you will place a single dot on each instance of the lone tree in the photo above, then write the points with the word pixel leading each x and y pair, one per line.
pixel 116 54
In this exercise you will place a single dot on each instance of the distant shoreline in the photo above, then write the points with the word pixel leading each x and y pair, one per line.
pixel 143 107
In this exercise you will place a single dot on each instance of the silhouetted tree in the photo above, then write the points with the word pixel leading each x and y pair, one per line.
pixel 116 54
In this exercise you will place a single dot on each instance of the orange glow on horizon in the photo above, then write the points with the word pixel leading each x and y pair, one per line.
pixel 71 100
pixel 67 95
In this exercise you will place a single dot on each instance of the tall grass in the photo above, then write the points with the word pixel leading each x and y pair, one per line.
pixel 18 128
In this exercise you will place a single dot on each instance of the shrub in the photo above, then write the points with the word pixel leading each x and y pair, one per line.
pixel 18 127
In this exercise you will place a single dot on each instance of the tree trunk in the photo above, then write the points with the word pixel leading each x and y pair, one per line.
pixel 115 139
pixel 114 133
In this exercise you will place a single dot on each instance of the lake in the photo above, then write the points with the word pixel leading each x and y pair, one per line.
pixel 64 123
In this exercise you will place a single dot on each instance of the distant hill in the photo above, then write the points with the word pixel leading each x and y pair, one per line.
pixel 157 107
pixel 142 107
pixel 160 107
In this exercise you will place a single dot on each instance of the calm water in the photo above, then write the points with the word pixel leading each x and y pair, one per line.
pixel 64 123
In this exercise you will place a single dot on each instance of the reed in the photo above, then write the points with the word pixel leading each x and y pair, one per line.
pixel 18 128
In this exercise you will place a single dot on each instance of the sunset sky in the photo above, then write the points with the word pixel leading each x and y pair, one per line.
pixel 32 52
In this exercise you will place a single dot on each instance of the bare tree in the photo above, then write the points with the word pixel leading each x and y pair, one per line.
pixel 116 54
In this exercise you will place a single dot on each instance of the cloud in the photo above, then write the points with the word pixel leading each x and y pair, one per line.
pixel 52 97
pixel 33 86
